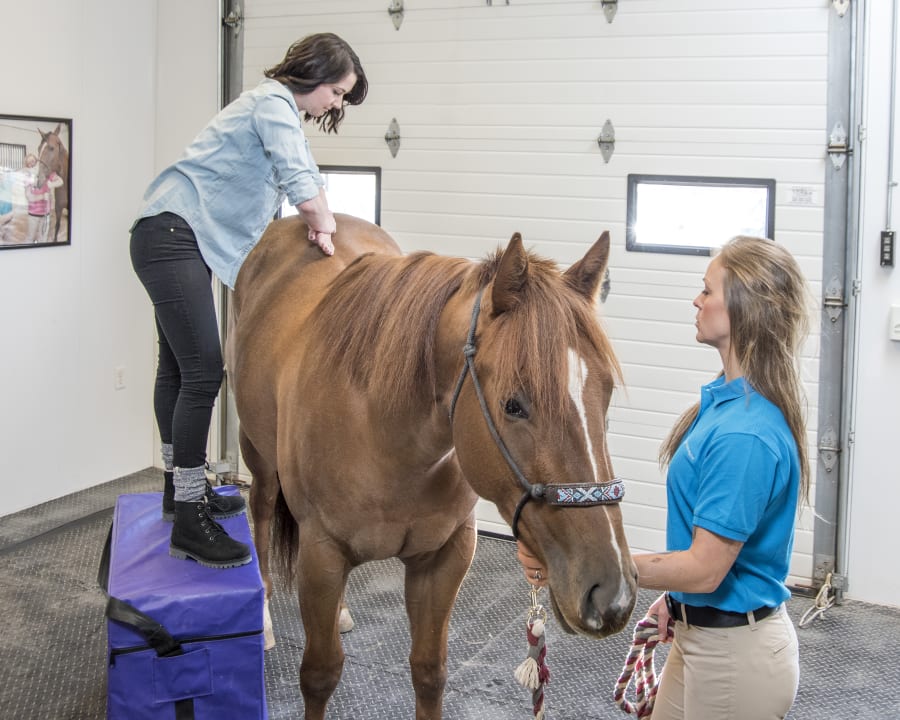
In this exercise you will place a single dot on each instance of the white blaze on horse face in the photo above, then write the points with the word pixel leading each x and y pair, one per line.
pixel 577 378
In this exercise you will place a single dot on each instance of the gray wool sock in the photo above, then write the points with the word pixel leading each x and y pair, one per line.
pixel 190 484
pixel 168 457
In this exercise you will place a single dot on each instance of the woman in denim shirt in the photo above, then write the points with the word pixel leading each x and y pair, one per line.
pixel 737 469
pixel 203 215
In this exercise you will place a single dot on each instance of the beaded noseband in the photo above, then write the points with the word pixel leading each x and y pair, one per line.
pixel 563 494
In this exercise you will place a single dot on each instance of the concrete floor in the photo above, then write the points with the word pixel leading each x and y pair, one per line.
pixel 53 648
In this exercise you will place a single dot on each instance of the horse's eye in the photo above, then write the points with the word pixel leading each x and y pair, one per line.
pixel 514 408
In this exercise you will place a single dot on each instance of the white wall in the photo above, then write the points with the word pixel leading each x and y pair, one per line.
pixel 873 537
pixel 71 314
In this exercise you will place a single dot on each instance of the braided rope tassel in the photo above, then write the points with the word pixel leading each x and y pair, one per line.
pixel 534 673
pixel 639 665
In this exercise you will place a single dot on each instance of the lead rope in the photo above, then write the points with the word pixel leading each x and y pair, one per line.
pixel 534 673
pixel 639 665
pixel 824 600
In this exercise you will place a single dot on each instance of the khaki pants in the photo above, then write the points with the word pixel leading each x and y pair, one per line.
pixel 742 673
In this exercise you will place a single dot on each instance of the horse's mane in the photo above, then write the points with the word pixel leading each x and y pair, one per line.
pixel 379 319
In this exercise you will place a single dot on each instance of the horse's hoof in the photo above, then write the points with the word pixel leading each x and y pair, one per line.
pixel 268 630
pixel 345 621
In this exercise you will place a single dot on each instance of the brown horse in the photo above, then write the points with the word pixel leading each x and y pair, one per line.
pixel 378 393
pixel 53 157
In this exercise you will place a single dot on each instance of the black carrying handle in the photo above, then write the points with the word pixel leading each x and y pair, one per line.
pixel 154 633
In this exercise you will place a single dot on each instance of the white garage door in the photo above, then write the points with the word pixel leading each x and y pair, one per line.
pixel 500 107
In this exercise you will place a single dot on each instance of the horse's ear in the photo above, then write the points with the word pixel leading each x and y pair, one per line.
pixel 585 275
pixel 510 277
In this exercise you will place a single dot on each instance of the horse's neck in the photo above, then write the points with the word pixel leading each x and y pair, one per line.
pixel 420 435
pixel 422 430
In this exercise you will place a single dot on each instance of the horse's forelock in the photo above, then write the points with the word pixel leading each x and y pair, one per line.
pixel 528 346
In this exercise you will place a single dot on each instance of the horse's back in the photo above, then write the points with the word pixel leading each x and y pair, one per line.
pixel 281 281
pixel 285 260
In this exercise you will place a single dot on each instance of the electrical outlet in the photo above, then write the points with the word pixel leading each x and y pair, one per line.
pixel 119 377
pixel 894 330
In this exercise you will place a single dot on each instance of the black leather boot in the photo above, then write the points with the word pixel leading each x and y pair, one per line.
pixel 223 506
pixel 197 536
pixel 219 506
pixel 168 509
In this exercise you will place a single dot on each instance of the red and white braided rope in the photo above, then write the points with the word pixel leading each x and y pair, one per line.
pixel 639 665
pixel 534 672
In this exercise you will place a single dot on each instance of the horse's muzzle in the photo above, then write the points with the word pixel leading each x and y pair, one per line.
pixel 599 617
pixel 612 614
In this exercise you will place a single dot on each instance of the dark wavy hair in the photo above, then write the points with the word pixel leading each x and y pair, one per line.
pixel 318 59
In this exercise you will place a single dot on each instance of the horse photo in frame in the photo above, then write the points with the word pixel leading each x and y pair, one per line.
pixel 35 181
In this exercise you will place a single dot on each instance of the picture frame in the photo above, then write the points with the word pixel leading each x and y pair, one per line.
pixel 35 181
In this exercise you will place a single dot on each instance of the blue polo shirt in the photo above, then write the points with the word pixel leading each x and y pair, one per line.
pixel 233 178
pixel 737 474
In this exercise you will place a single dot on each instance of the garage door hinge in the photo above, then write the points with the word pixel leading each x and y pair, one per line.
pixel 838 148
pixel 829 449
pixel 396 12
pixel 833 300
pixel 609 9
pixel 392 137
pixel 841 6
pixel 233 20
pixel 607 140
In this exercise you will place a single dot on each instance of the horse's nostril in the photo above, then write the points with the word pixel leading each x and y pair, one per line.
pixel 612 612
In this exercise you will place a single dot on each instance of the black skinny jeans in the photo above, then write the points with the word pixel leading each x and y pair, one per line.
pixel 167 260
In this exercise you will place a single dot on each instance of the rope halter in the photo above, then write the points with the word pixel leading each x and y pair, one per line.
pixel 563 494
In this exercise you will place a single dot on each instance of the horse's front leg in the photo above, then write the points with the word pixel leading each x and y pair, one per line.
pixel 432 583
pixel 263 493
pixel 322 573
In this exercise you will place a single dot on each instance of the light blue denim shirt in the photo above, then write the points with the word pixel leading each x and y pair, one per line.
pixel 233 177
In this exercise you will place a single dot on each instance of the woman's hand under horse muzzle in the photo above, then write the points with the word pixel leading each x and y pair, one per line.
pixel 535 572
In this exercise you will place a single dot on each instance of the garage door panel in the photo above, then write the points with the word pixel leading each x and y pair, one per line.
pixel 500 108
pixel 626 71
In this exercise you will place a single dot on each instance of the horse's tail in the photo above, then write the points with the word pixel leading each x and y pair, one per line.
pixel 284 542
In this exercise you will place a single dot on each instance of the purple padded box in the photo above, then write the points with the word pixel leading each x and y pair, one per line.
pixel 216 616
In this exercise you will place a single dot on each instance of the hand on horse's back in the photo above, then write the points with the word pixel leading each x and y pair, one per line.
pixel 322 241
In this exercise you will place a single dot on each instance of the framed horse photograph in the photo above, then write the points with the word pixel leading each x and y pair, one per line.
pixel 35 181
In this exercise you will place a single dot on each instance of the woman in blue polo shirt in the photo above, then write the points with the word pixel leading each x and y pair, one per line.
pixel 737 468
pixel 203 215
